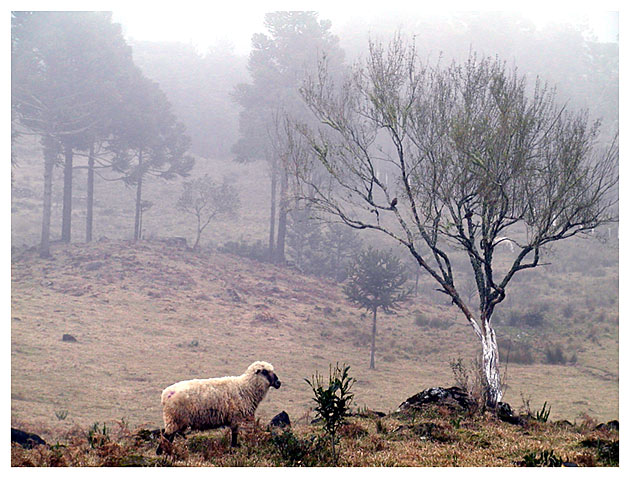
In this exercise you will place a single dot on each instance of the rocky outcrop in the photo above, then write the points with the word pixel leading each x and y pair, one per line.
pixel 26 439
pixel 453 397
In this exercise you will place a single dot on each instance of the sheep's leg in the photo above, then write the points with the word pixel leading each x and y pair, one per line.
pixel 234 429
pixel 168 437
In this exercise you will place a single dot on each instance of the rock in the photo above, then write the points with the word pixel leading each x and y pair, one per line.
pixel 26 439
pixel 505 413
pixel 453 397
pixel 281 420
pixel 611 425
pixel 68 338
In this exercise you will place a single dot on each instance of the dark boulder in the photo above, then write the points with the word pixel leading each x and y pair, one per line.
pixel 68 338
pixel 505 413
pixel 610 426
pixel 26 439
pixel 453 397
pixel 281 420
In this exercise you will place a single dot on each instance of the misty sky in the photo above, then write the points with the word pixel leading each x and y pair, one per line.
pixel 234 22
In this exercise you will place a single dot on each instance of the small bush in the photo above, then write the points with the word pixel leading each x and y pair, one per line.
pixel 515 352
pixel 299 451
pixel 554 355
pixel 256 251
pixel 568 310
pixel 530 318
pixel 435 323
pixel 543 414
pixel 472 380
pixel 607 451
pixel 61 414
pixel 333 401
pixel 291 448
pixel 543 458
pixel 97 436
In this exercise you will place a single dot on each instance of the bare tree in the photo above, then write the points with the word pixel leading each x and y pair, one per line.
pixel 206 200
pixel 473 155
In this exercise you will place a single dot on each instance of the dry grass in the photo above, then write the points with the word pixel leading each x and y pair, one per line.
pixel 146 315
pixel 429 439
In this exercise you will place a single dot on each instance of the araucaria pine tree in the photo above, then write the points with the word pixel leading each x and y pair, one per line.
pixel 375 281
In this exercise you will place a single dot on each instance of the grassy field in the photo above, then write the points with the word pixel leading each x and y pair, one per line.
pixel 433 437
pixel 148 314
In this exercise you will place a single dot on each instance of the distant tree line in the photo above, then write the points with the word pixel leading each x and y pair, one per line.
pixel 199 86
pixel 75 85
pixel 277 65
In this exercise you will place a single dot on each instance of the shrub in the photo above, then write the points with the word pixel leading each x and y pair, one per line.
pixel 568 310
pixel 515 352
pixel 61 414
pixel 543 414
pixel 421 320
pixel 333 401
pixel 543 458
pixel 472 380
pixel 607 451
pixel 97 436
pixel 435 323
pixel 297 451
pixel 256 251
pixel 554 355
pixel 530 318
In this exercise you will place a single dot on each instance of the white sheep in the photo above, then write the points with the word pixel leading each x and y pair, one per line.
pixel 202 404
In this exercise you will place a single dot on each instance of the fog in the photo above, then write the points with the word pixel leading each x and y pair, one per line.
pixel 192 190
pixel 235 26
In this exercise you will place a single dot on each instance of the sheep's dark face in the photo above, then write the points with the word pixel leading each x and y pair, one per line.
pixel 270 376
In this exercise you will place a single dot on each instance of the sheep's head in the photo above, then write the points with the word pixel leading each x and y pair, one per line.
pixel 266 370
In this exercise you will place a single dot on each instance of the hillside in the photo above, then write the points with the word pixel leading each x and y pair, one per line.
pixel 148 314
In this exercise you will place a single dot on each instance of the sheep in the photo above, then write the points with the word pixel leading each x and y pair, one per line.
pixel 203 404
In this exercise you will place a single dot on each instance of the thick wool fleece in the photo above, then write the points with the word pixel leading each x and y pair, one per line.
pixel 214 402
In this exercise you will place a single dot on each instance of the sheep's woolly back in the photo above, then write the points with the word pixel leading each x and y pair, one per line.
pixel 214 402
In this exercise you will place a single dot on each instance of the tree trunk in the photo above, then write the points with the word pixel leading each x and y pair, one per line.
pixel 490 352
pixel 49 164
pixel 90 196
pixel 272 213
pixel 199 231
pixel 373 340
pixel 282 217
pixel 66 216
pixel 137 230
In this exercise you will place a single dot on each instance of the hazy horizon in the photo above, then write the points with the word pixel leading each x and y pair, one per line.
pixel 234 27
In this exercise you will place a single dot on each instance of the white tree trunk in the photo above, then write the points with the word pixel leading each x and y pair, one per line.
pixel 490 352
